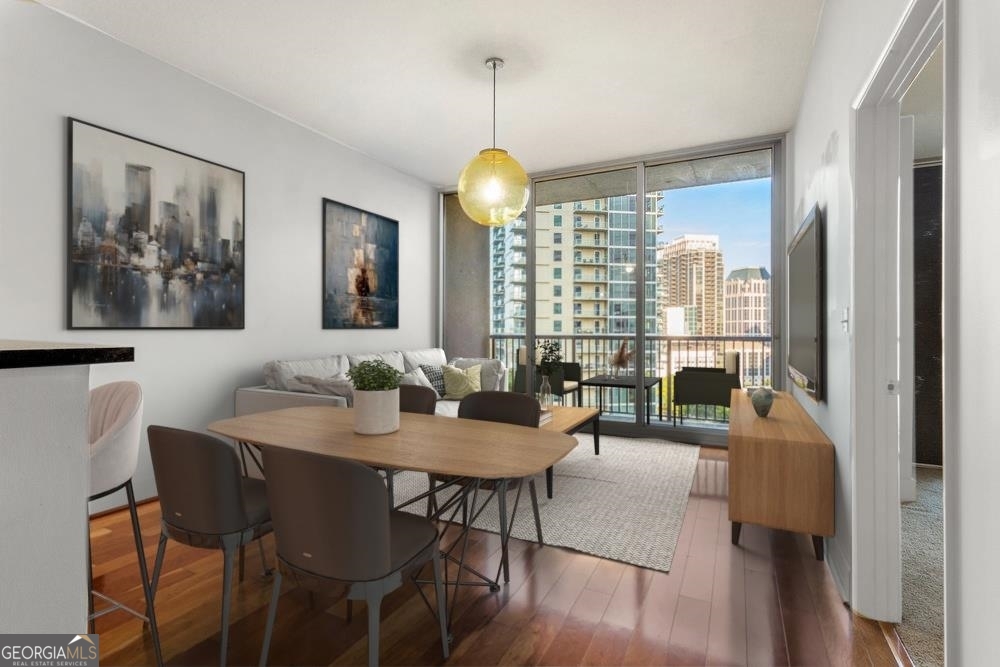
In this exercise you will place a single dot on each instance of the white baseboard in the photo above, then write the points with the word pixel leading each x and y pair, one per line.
pixel 840 569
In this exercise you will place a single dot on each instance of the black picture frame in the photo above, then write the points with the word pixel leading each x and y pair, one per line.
pixel 360 268
pixel 156 236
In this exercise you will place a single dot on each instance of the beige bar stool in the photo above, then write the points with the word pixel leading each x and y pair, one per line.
pixel 115 423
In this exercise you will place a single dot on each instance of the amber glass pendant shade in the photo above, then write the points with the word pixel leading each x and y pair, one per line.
pixel 493 188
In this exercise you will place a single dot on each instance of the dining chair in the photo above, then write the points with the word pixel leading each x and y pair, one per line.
pixel 115 427
pixel 412 398
pixel 508 408
pixel 417 399
pixel 334 529
pixel 206 502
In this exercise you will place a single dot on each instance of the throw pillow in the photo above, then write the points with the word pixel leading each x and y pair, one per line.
pixel 338 385
pixel 460 382
pixel 435 376
pixel 417 377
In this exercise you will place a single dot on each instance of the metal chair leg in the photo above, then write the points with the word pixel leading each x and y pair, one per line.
pixel 228 555
pixel 272 612
pixel 161 550
pixel 442 603
pixel 90 584
pixel 266 571
pixel 390 487
pixel 144 573
pixel 373 598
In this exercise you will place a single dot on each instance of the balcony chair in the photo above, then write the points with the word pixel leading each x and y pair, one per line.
pixel 335 533
pixel 115 424
pixel 706 386
pixel 206 502
pixel 564 379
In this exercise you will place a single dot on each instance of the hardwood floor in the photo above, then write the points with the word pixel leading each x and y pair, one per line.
pixel 768 602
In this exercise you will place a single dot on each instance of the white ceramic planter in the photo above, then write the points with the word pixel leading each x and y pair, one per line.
pixel 376 412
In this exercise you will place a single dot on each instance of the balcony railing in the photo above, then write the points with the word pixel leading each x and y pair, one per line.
pixel 664 356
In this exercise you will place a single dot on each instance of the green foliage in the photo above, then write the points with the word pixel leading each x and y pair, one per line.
pixel 550 357
pixel 374 375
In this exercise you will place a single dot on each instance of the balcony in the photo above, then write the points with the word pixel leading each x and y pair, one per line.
pixel 664 356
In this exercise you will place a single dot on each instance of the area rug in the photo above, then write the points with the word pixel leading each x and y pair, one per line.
pixel 627 504
pixel 922 629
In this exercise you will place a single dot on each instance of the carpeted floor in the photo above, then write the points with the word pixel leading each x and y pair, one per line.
pixel 922 629
pixel 626 504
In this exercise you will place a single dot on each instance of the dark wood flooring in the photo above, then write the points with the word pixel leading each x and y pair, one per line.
pixel 767 602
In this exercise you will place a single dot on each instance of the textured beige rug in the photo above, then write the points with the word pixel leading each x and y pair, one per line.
pixel 627 504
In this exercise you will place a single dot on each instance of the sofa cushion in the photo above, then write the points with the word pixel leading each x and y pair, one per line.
pixel 277 373
pixel 339 385
pixel 492 371
pixel 447 408
pixel 417 377
pixel 432 356
pixel 435 376
pixel 460 382
pixel 394 359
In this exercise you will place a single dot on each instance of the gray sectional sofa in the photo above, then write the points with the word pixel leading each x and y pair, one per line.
pixel 284 387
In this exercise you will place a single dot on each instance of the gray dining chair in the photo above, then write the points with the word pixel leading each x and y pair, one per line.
pixel 334 529
pixel 206 502
pixel 417 398
pixel 508 408
pixel 115 429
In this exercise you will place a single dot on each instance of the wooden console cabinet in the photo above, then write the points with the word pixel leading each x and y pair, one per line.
pixel 781 469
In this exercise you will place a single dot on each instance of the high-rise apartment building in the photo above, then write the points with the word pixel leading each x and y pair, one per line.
pixel 690 285
pixel 748 313
pixel 585 262
pixel 748 302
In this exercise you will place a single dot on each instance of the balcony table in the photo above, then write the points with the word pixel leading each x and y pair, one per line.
pixel 624 382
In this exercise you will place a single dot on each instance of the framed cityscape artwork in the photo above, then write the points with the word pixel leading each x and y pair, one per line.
pixel 155 236
pixel 360 269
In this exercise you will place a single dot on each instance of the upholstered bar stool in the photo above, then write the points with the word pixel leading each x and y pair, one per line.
pixel 115 423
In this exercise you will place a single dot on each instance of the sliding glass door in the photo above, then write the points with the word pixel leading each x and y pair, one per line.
pixel 639 296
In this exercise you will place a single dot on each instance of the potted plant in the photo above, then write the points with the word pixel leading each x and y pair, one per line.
pixel 376 397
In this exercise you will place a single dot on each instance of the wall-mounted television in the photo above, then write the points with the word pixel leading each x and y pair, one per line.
pixel 806 306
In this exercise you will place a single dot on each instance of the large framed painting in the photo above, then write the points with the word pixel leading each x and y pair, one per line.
pixel 156 236
pixel 360 269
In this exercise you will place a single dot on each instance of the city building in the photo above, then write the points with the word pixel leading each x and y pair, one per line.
pixel 689 276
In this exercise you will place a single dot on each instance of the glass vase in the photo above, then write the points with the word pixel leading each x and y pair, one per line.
pixel 545 393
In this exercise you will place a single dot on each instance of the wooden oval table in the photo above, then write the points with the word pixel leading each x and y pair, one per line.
pixel 469 450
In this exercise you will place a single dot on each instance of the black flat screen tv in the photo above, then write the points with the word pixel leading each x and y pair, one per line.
pixel 806 307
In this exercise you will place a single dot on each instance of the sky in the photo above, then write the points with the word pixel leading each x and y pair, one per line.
pixel 739 213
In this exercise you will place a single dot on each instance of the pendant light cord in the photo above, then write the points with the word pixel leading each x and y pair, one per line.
pixel 494 106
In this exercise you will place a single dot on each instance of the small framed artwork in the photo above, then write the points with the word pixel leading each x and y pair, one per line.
pixel 360 269
pixel 156 236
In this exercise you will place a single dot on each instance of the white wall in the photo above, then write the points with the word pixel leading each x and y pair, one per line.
pixel 971 323
pixel 52 67
pixel 851 36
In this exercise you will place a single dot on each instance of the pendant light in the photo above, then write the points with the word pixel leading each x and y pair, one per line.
pixel 493 187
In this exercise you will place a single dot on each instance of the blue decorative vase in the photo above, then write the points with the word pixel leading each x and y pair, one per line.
pixel 762 399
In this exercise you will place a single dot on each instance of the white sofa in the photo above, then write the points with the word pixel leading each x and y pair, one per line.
pixel 275 394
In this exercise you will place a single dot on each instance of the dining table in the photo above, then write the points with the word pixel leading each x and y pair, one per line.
pixel 473 454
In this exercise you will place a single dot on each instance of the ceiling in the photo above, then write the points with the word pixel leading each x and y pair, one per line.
pixel 403 81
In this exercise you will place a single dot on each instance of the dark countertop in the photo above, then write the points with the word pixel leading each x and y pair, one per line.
pixel 31 354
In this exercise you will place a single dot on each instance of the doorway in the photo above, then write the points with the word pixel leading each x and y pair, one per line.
pixel 882 369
